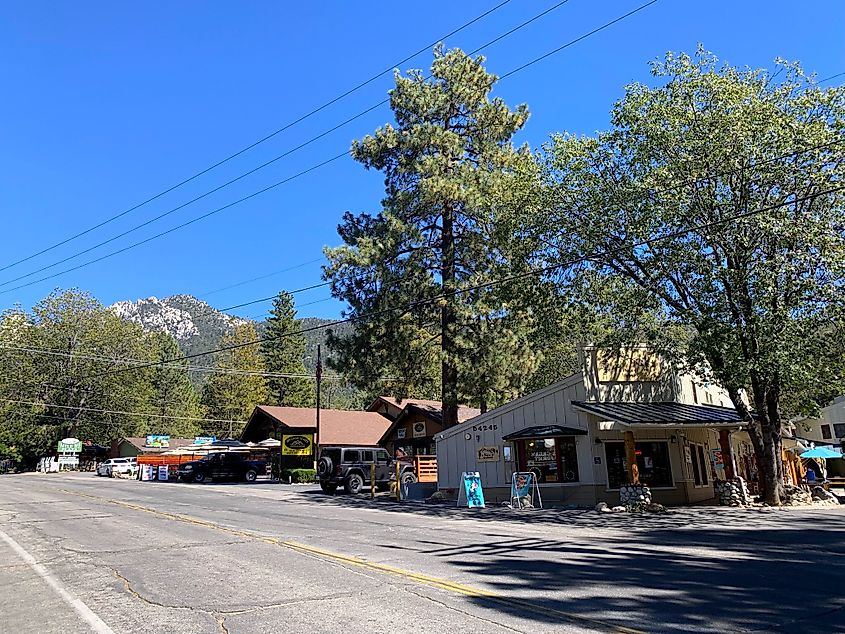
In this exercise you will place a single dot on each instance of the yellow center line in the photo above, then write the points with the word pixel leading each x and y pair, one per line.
pixel 436 582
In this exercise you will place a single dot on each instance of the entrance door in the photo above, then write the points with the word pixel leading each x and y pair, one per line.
pixel 382 465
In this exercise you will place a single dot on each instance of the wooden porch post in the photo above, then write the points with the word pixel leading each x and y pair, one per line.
pixel 631 458
pixel 727 454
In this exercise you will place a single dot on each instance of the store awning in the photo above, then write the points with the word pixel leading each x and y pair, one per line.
pixel 662 414
pixel 545 431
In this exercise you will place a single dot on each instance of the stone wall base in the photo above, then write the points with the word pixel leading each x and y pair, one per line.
pixel 634 494
pixel 731 492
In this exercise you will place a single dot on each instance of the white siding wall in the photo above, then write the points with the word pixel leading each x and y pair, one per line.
pixel 552 406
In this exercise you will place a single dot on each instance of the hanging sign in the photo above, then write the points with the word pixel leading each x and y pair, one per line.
pixel 525 491
pixel 162 473
pixel 297 445
pixel 68 461
pixel 716 457
pixel 157 441
pixel 473 492
pixel 70 445
pixel 488 454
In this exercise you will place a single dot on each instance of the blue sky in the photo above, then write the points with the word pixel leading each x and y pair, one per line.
pixel 106 104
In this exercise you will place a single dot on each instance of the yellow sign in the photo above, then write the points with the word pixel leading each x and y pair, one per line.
pixel 297 445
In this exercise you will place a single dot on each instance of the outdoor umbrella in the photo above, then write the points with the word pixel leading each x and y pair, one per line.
pixel 821 452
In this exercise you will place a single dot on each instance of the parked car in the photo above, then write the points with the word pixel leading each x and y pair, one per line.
pixel 124 466
pixel 350 468
pixel 227 465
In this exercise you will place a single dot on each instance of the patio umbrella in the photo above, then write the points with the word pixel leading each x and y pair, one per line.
pixel 821 452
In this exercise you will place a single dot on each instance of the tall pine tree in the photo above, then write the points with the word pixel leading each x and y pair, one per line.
pixel 239 386
pixel 283 351
pixel 450 171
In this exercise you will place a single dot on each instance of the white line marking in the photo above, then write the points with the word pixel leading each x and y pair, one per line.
pixel 96 623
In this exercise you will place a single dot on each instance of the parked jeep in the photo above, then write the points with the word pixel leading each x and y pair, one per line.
pixel 350 467
pixel 227 465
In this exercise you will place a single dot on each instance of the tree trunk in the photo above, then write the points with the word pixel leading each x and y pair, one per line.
pixel 448 367
pixel 766 445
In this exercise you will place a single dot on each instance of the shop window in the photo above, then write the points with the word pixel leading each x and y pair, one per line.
pixel 652 460
pixel 826 432
pixel 541 458
pixel 839 430
pixel 552 459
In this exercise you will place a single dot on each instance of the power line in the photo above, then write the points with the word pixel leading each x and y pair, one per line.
pixel 260 277
pixel 186 368
pixel 489 284
pixel 177 227
pixel 826 79
pixel 263 139
pixel 262 166
pixel 122 413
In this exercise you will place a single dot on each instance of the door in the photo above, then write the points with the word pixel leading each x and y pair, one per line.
pixel 217 468
pixel 382 466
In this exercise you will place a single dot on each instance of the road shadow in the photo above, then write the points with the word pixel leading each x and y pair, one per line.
pixel 709 569
pixel 674 579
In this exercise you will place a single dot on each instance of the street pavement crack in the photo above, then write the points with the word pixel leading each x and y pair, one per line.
pixel 132 591
pixel 460 611
pixel 270 606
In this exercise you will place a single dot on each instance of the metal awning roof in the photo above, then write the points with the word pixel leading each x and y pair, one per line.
pixel 662 414
pixel 545 431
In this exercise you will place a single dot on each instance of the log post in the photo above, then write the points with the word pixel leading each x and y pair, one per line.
pixel 631 458
pixel 727 454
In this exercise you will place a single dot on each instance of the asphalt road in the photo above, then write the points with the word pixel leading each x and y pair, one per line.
pixel 80 554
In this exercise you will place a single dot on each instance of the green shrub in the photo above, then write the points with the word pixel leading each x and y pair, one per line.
pixel 299 475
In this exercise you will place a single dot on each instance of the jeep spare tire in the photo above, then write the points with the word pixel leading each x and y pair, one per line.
pixel 409 477
pixel 324 467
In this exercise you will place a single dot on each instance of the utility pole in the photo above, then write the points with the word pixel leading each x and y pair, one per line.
pixel 319 374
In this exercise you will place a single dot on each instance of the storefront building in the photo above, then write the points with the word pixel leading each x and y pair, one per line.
pixel 577 435
pixel 415 424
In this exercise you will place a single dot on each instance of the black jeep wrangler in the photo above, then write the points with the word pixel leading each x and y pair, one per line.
pixel 350 467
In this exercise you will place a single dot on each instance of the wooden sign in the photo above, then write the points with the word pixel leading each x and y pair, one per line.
pixel 488 454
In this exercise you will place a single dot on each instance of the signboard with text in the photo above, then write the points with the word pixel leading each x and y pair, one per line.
pixel 297 445
pixel 488 454
pixel 157 441
pixel 70 445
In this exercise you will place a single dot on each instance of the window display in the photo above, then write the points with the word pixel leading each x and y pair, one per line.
pixel 551 459
pixel 652 460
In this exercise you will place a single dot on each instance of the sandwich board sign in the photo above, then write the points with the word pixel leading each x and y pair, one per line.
pixel 162 473
pixel 525 491
pixel 471 488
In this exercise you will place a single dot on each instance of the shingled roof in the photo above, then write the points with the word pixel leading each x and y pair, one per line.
pixel 661 413
pixel 337 426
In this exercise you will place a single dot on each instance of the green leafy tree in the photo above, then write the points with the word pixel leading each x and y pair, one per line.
pixel 283 351
pixel 171 391
pixel 756 297
pixel 450 170
pixel 239 386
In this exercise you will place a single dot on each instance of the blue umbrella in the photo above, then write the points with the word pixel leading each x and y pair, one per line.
pixel 821 452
